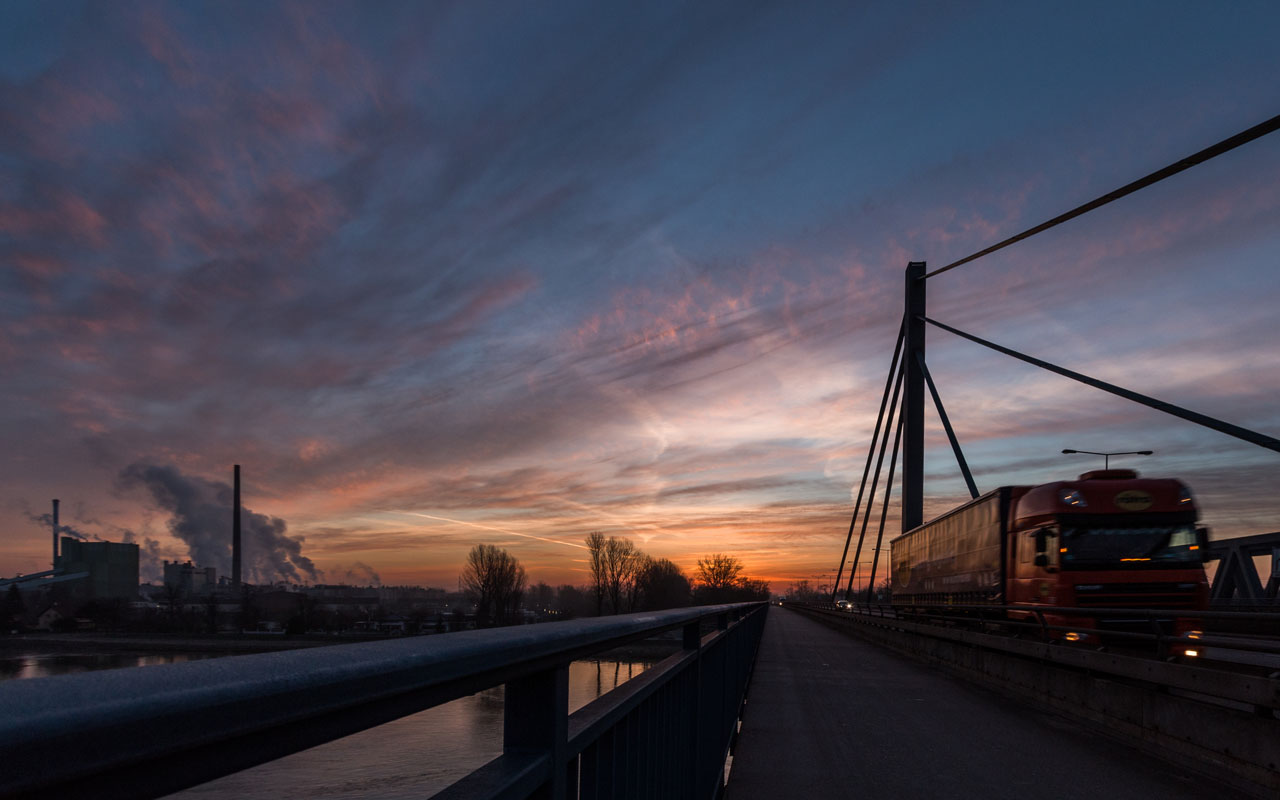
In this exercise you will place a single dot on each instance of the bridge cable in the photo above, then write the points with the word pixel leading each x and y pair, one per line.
pixel 884 510
pixel 1247 435
pixel 1226 145
pixel 871 449
pixel 946 424
pixel 875 480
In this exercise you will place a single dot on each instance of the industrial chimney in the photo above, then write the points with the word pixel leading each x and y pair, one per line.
pixel 235 532
pixel 55 533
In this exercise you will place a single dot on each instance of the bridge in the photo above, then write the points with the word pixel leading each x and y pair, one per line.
pixel 811 701
pixel 824 700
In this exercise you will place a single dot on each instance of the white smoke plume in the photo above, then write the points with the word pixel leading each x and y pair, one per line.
pixel 200 512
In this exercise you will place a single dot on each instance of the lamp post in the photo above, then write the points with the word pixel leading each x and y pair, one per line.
pixel 1106 462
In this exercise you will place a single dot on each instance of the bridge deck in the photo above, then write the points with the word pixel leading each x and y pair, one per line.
pixel 829 716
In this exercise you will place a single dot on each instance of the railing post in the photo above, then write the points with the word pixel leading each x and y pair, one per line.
pixel 535 719
pixel 692 639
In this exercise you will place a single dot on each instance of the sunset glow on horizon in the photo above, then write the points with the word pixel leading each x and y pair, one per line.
pixel 439 275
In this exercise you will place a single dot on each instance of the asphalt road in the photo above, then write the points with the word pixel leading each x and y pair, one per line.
pixel 829 716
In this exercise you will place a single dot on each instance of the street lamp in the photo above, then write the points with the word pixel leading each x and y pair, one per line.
pixel 1106 463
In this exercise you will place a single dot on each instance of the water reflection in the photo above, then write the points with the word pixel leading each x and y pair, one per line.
pixel 411 757
pixel 44 665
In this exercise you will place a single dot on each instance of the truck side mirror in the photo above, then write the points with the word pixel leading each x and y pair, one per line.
pixel 1042 560
pixel 1202 542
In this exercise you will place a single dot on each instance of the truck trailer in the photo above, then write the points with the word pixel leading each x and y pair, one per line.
pixel 1108 540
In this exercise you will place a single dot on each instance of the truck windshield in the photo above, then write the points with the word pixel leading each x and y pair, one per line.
pixel 1111 547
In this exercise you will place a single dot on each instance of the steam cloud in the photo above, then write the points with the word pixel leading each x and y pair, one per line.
pixel 45 520
pixel 150 567
pixel 201 518
pixel 358 574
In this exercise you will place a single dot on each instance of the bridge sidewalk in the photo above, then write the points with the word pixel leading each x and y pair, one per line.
pixel 829 716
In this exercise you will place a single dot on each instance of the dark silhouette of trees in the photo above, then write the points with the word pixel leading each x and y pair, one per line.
pixel 615 562
pixel 622 562
pixel 718 571
pixel 660 584
pixel 13 607
pixel 596 542
pixel 541 597
pixel 720 580
pixel 495 582
pixel 804 592
pixel 572 601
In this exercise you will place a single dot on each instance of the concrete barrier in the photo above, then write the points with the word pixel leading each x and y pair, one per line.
pixel 1235 743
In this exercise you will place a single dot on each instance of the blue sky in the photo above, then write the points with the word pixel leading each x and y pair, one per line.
pixel 438 274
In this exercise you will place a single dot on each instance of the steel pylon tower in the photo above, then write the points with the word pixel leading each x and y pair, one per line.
pixel 913 399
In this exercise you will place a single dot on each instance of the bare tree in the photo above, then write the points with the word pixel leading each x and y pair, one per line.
pixel 718 571
pixel 615 562
pixel 495 581
pixel 720 580
pixel 622 562
pixel 596 542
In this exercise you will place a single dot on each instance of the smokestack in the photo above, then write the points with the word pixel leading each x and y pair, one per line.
pixel 235 533
pixel 55 533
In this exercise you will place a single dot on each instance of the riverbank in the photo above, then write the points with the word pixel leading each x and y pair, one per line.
pixel 141 643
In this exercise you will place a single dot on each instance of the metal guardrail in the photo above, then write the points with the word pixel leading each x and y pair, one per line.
pixel 1145 625
pixel 135 733
pixel 1259 692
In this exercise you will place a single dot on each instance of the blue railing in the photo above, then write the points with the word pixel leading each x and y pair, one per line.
pixel 147 732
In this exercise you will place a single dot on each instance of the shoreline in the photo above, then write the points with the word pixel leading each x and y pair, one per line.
pixel 135 643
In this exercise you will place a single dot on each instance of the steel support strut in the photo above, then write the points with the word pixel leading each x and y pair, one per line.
pixel 884 513
pixel 875 479
pixel 871 452
pixel 913 400
pixel 951 434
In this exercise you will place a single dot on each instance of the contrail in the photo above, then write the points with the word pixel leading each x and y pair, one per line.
pixel 499 530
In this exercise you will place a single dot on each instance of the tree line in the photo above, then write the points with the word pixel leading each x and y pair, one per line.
pixel 622 579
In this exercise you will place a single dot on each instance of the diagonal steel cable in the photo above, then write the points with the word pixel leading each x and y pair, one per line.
pixel 1226 145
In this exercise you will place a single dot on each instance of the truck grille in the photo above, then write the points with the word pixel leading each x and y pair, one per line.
pixel 1136 595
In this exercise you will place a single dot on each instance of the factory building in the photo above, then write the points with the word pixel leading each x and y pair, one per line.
pixel 189 580
pixel 111 568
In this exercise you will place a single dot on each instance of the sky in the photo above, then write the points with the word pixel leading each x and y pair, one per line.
pixel 442 274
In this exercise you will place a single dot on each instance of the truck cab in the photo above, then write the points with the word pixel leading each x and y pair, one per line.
pixel 1107 540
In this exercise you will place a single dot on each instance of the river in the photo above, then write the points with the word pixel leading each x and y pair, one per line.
pixel 412 757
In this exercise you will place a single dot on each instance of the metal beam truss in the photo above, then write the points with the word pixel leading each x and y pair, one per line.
pixel 148 732
pixel 1237 582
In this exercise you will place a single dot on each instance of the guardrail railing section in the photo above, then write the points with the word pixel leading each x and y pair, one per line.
pixel 130 733
pixel 664 734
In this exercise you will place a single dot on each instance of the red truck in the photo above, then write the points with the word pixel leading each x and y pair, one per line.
pixel 1108 540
